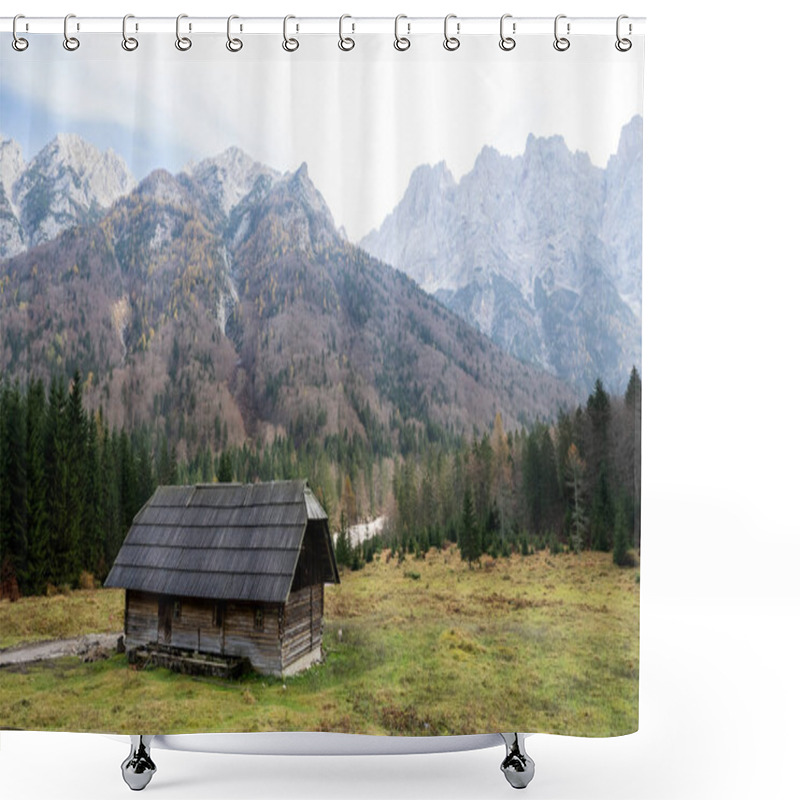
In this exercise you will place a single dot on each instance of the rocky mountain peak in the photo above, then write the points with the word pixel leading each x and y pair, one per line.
pixel 229 177
pixel 303 188
pixel 162 187
pixel 101 177
pixel 548 217
pixel 630 141
pixel 67 182
pixel 293 202
pixel 622 218
pixel 11 165
pixel 12 237
pixel 429 181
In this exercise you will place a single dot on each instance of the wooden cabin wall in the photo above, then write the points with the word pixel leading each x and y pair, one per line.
pixel 302 623
pixel 262 647
pixel 194 630
pixel 141 619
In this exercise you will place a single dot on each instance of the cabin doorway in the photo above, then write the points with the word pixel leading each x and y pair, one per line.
pixel 165 606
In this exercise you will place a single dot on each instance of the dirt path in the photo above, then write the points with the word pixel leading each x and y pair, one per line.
pixel 89 646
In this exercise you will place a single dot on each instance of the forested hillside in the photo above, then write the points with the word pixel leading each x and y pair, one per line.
pixel 70 486
pixel 215 325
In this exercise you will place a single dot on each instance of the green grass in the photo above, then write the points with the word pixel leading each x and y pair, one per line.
pixel 63 616
pixel 546 643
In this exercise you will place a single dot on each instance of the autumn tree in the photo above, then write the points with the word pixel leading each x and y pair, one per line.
pixel 349 503
pixel 501 474
pixel 574 479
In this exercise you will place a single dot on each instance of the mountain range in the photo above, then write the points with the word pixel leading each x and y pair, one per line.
pixel 224 298
pixel 541 252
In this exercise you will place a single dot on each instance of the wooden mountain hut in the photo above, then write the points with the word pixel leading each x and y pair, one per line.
pixel 218 573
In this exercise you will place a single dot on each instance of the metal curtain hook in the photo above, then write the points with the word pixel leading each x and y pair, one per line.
pixel 71 43
pixel 18 43
pixel 183 43
pixel 623 45
pixel 345 42
pixel 233 44
pixel 561 43
pixel 401 42
pixel 290 44
pixel 129 43
pixel 507 42
pixel 451 42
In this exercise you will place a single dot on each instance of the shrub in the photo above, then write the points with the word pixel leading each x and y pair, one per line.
pixel 415 576
pixel 87 581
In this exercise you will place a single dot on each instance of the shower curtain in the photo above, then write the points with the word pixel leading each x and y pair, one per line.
pixel 321 376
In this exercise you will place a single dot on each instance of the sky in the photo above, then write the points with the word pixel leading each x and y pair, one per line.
pixel 362 120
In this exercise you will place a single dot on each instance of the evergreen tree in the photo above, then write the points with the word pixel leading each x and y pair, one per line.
pixel 598 409
pixel 532 482
pixel 633 392
pixel 552 509
pixel 603 515
pixel 621 539
pixel 469 540
pixel 110 499
pixel 166 466
pixel 61 564
pixel 225 473
pixel 38 526
pixel 92 545
pixel 632 443
pixel 128 484
pixel 143 464
pixel 76 481
pixel 343 549
pixel 13 487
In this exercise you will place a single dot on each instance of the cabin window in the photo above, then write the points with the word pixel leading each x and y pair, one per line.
pixel 258 619
pixel 219 611
pixel 176 609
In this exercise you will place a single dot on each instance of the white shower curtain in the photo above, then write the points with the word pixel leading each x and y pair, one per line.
pixel 405 278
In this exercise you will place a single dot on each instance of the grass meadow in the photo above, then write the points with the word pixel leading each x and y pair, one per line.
pixel 420 647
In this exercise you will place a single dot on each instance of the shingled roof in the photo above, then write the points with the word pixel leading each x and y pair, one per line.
pixel 222 541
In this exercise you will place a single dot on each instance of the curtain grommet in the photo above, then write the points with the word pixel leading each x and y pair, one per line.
pixel 71 43
pixel 19 43
pixel 346 43
pixel 233 44
pixel 401 43
pixel 129 43
pixel 561 43
pixel 623 44
pixel 289 44
pixel 507 43
pixel 183 43
pixel 451 43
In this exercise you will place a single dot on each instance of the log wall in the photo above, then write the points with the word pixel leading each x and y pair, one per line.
pixel 287 632
pixel 141 619
pixel 303 623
